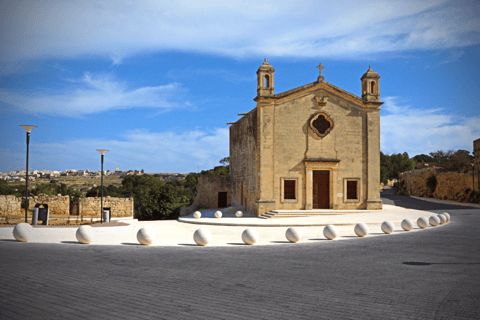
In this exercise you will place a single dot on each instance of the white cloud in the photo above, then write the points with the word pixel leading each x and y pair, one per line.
pixel 416 131
pixel 96 93
pixel 152 151
pixel 54 28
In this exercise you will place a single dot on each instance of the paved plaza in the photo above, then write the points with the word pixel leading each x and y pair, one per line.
pixel 421 274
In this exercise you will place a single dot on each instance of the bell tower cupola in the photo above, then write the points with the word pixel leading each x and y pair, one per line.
pixel 370 86
pixel 265 80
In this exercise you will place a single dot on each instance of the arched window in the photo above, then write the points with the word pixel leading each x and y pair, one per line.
pixel 267 81
pixel 372 88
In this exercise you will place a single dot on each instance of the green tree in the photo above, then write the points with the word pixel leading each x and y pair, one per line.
pixel 442 156
pixel 225 161
pixel 391 166
pixel 423 157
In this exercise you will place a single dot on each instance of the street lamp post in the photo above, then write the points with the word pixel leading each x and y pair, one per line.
pixel 28 129
pixel 102 152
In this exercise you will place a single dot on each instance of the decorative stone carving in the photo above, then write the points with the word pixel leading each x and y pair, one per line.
pixel 407 224
pixel 361 229
pixel 321 101
pixel 202 236
pixel 146 235
pixel 330 232
pixel 250 236
pixel 388 227
pixel 293 234
pixel 22 232
pixel 84 234
pixel 321 124
pixel 422 223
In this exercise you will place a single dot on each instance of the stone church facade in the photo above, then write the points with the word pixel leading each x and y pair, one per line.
pixel 313 147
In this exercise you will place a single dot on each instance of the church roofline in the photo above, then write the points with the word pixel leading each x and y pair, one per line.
pixel 308 86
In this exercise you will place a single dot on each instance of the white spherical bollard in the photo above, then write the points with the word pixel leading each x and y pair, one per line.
pixel 218 214
pixel 239 214
pixel 250 236
pixel 330 232
pixel 446 214
pixel 22 232
pixel 84 234
pixel 388 227
pixel 434 221
pixel 422 222
pixel 202 236
pixel 293 234
pixel 443 218
pixel 407 224
pixel 146 235
pixel 197 214
pixel 361 229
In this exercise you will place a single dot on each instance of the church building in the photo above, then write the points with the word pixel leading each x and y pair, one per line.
pixel 313 147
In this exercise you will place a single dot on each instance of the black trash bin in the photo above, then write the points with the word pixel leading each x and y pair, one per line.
pixel 43 212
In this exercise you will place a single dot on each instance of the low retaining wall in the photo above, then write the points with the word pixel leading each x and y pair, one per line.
pixel 119 207
pixel 449 184
pixel 10 205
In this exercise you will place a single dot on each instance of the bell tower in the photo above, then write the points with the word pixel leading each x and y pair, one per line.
pixel 265 80
pixel 370 86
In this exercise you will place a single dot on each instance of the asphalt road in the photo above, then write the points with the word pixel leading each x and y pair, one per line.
pixel 431 274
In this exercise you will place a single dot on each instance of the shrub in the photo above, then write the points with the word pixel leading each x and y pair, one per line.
pixel 432 183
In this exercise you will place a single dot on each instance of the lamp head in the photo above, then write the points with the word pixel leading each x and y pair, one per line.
pixel 102 151
pixel 28 129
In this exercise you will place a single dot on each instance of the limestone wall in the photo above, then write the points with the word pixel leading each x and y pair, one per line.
pixel 56 204
pixel 243 162
pixel 119 207
pixel 449 184
pixel 10 205
pixel 208 189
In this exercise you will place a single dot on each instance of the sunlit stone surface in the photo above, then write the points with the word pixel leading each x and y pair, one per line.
pixel 446 214
pixel 197 214
pixel 218 214
pixel 361 229
pixel 407 224
pixel 293 234
pixel 422 222
pixel 330 232
pixel 202 236
pixel 434 221
pixel 84 234
pixel 146 235
pixel 239 214
pixel 250 236
pixel 22 232
pixel 442 218
pixel 388 227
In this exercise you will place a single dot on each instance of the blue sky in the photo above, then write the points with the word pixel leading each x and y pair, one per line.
pixel 156 82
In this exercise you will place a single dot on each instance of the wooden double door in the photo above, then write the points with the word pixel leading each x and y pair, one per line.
pixel 321 189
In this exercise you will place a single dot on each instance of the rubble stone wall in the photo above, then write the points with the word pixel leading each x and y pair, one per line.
pixel 119 207
pixel 448 183
pixel 10 205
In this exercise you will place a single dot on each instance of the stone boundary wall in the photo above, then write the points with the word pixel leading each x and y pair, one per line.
pixel 207 193
pixel 448 183
pixel 10 205
pixel 59 205
pixel 119 207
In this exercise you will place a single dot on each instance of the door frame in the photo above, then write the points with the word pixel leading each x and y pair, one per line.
pixel 331 166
